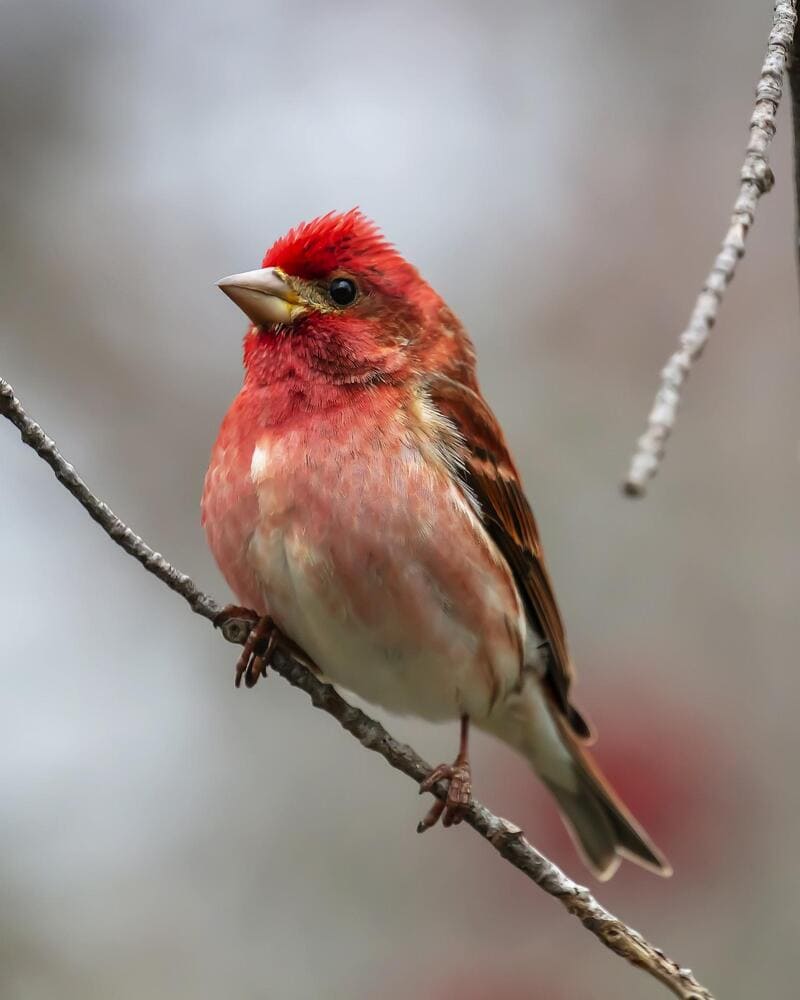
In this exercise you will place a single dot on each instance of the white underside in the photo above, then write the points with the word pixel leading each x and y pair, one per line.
pixel 388 664
pixel 403 676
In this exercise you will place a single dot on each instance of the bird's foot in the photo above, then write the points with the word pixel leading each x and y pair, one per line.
pixel 262 636
pixel 459 794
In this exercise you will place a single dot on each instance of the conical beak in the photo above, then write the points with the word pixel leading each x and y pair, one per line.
pixel 264 296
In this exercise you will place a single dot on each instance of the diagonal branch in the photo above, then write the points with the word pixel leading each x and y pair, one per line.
pixel 756 179
pixel 506 838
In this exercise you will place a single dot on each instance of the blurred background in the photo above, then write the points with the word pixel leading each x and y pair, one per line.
pixel 563 174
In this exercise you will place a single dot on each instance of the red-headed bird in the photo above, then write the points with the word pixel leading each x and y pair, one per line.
pixel 361 496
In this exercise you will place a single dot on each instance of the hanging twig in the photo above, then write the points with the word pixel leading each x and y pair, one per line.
pixel 756 179
pixel 506 838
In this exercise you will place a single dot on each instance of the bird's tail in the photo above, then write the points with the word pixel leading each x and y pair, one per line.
pixel 602 828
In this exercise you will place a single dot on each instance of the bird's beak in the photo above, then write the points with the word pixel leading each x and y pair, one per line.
pixel 264 296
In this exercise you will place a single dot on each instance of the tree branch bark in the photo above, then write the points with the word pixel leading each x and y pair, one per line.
pixel 756 179
pixel 505 837
pixel 793 72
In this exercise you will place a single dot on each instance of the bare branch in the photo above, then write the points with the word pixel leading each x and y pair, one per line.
pixel 793 72
pixel 506 838
pixel 756 179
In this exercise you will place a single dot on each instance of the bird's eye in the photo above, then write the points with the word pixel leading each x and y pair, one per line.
pixel 343 291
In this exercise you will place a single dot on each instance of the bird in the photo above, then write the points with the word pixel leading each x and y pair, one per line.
pixel 363 505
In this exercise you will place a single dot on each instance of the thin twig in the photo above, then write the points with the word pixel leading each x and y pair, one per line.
pixel 756 179
pixel 506 838
pixel 793 72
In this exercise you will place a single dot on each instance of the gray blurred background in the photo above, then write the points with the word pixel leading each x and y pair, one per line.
pixel 562 173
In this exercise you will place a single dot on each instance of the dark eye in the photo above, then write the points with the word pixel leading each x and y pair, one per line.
pixel 343 291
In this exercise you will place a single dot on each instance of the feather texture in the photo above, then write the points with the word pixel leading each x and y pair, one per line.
pixel 488 471
pixel 362 493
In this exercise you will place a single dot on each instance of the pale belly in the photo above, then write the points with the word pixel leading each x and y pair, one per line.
pixel 378 568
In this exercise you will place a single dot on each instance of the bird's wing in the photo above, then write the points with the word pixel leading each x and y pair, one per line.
pixel 487 471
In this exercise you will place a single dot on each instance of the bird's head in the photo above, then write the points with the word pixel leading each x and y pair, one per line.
pixel 334 301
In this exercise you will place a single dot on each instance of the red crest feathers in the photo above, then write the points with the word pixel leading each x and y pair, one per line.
pixel 346 241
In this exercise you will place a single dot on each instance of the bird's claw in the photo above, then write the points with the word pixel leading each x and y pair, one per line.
pixel 459 795
pixel 259 643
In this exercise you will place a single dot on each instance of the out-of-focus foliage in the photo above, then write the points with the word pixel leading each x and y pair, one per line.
pixel 562 173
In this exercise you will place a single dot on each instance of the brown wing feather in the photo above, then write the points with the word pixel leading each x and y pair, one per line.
pixel 488 471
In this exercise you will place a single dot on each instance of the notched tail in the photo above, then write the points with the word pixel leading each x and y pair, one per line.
pixel 602 828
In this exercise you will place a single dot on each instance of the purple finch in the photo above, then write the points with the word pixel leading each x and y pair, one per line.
pixel 361 496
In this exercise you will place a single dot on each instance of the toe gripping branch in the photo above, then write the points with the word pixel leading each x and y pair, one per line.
pixel 459 789
pixel 260 636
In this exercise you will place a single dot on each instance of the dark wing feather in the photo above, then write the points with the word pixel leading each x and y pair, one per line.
pixel 486 468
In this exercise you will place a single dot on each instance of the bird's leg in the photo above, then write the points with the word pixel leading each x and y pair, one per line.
pixel 258 646
pixel 459 790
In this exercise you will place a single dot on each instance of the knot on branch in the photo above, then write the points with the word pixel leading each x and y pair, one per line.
pixel 235 629
pixel 757 171
pixel 506 834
